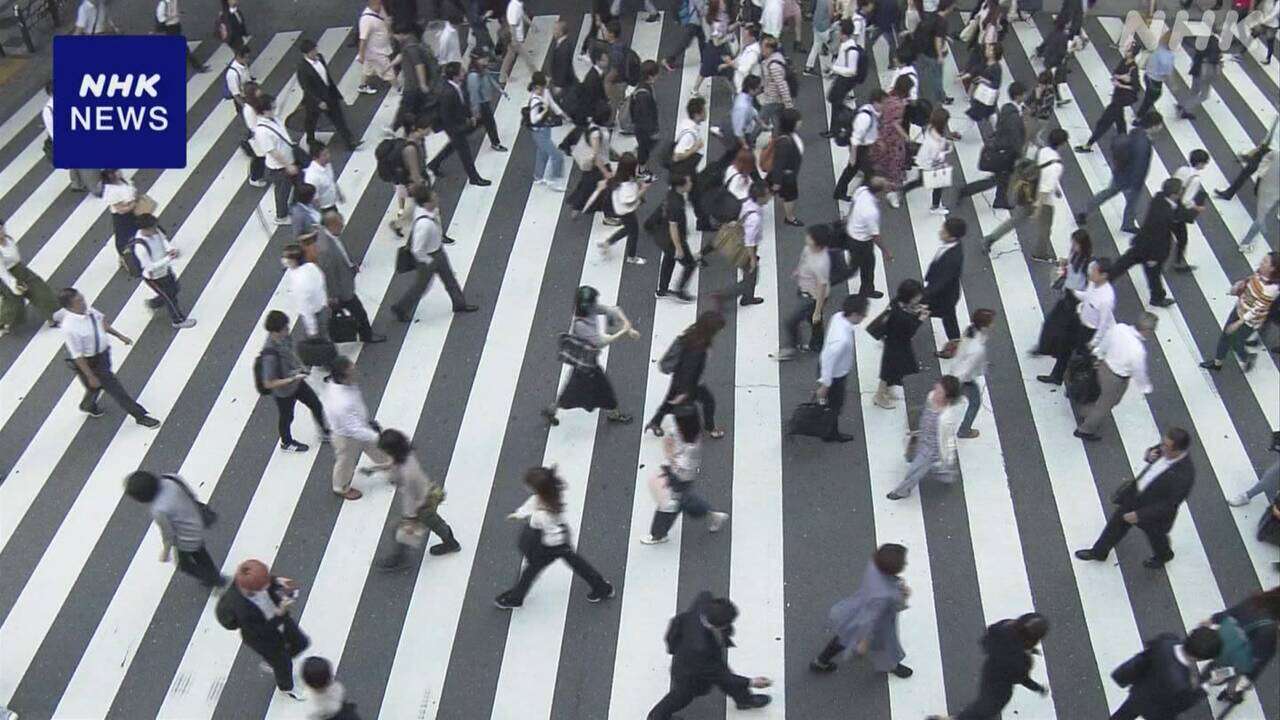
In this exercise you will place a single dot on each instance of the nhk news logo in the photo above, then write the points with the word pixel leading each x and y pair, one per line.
pixel 119 101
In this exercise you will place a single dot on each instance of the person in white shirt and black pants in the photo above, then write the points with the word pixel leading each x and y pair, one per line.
pixel 836 361
pixel 169 22
pixel 426 237
pixel 971 364
pixel 273 141
pixel 154 253
pixel 85 332
pixel 1122 360
pixel 1151 500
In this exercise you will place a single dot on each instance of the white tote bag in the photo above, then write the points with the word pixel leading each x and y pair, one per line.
pixel 936 178
pixel 985 94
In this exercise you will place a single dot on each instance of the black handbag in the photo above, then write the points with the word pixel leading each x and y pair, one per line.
pixel 207 515
pixel 1082 380
pixel 343 326
pixel 317 352
pixel 879 327
pixel 812 419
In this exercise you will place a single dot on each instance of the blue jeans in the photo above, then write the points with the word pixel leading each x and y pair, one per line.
pixel 548 161
pixel 1130 202
pixel 1256 228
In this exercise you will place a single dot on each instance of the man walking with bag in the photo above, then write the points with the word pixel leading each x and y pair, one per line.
pixel 257 604
pixel 182 520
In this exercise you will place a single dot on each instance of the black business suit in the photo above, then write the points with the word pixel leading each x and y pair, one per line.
pixel 317 90
pixel 942 288
pixel 1008 663
pixel 277 639
pixel 698 662
pixel 1010 135
pixel 457 123
pixel 562 76
pixel 1156 507
pixel 1160 686
pixel 1152 244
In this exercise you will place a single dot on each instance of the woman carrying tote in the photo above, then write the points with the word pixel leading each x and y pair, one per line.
pixel 934 160
pixel 588 387
pixel 866 622
pixel 420 500
pixel 932 446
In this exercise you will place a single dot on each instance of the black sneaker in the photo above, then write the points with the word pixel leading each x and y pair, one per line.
pixel 756 700
pixel 683 297
pixel 147 422
pixel 445 548
pixel 294 446
pixel 660 294
pixel 94 412
pixel 503 602
pixel 595 596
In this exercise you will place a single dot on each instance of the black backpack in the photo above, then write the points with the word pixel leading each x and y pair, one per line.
pixel 260 372
pixel 793 83
pixel 862 68
pixel 631 68
pixel 130 260
pixel 390 158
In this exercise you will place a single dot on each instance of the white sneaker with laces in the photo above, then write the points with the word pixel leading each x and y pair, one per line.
pixel 637 260
pixel 717 521
pixel 1239 500
pixel 651 540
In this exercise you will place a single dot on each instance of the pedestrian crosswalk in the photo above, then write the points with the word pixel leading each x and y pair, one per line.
pixel 91 625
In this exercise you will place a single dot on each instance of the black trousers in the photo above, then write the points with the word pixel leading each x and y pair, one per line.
pixel 364 330
pixel 177 30
pixel 490 125
pixel 861 164
pixel 333 109
pixel 1250 167
pixel 1083 336
pixel 108 383
pixel 285 406
pixel 1112 117
pixel 280 654
pixel 949 322
pixel 1155 89
pixel 701 395
pixel 999 181
pixel 199 565
pixel 1128 710
pixel 835 398
pixel 457 144
pixel 745 288
pixel 689 34
pixel 166 289
pixel 993 695
pixel 1152 269
pixel 862 258
pixel 422 282
pixel 585 188
pixel 645 141
pixel 535 564
pixel 1116 529
pixel 630 230
pixel 683 692
pixel 1180 241
pixel 668 266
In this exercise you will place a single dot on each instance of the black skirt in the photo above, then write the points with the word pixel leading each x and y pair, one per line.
pixel 589 389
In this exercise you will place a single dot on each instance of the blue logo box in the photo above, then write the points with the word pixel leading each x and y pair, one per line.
pixel 119 101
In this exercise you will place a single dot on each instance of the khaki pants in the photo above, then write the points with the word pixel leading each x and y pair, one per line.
pixel 346 455
pixel 1113 387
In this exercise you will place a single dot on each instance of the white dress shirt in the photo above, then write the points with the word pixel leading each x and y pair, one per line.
pixel 1097 308
pixel 167 12
pixel 305 284
pixel 448 45
pixel 836 359
pixel 746 63
pixel 321 176
pixel 866 126
pixel 152 252
pixel 1191 184
pixel 46 116
pixel 846 62
pixel 235 76
pixel 319 68
pixel 864 215
pixel 1125 352
pixel 1156 469
pixel 1051 173
pixel 272 139
pixel 550 524
pixel 84 335
pixel 346 414
pixel 426 234
pixel 971 358
pixel 515 20
pixel 9 256
pixel 752 228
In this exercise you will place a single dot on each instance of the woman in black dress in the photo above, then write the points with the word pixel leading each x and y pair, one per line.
pixel 984 89
pixel 1125 87
pixel 686 379
pixel 1058 334
pixel 905 315
pixel 788 153
pixel 588 387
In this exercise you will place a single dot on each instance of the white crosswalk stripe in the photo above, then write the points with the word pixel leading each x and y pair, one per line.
pixel 427 643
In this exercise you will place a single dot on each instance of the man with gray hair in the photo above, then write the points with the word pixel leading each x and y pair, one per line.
pixel 1121 360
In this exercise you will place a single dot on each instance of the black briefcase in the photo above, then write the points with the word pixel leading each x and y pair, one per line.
pixel 812 419
pixel 342 326
pixel 317 352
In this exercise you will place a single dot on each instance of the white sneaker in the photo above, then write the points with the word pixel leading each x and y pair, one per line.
pixel 1239 500
pixel 282 221
pixel 291 693
pixel 258 183
pixel 940 210
pixel 637 260
pixel 717 521
pixel 895 200
pixel 651 540
pixel 188 323
pixel 367 89
pixel 539 181
pixel 557 186
pixel 715 130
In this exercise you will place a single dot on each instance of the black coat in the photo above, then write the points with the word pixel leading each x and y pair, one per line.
pixel 266 636
pixel 1160 686
pixel 562 73
pixel 786 161
pixel 315 89
pixel 942 280
pixel 1154 238
pixel 455 114
pixel 899 359
pixel 689 368
pixel 1157 505
pixel 1008 662
pixel 699 653
pixel 232 27
pixel 591 93
pixel 1011 131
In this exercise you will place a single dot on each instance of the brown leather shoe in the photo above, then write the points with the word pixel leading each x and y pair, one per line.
pixel 351 494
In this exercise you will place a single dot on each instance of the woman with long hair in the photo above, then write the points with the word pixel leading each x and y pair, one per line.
pixel 420 500
pixel 1125 86
pixel 1252 623
pixel 544 538
pixel 690 351
pixel 626 195
pixel 984 88
pixel 931 447
pixel 934 154
pixel 1073 277
pixel 673 486
pixel 588 387
pixel 787 158
pixel 970 364
pixel 544 114
pixel 902 319
pixel 889 151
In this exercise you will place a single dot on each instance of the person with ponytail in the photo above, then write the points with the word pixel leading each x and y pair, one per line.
pixel 588 387
pixel 545 538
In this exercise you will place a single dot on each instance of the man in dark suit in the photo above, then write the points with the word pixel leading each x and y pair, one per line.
pixel 1008 141
pixel 1163 679
pixel 1154 241
pixel 320 94
pixel 586 97
pixel 457 122
pixel 698 640
pixel 942 282
pixel 257 604
pixel 1151 500
pixel 563 76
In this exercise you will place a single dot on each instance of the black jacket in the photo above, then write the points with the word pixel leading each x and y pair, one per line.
pixel 1154 238
pixel 265 635
pixel 698 652
pixel 592 92
pixel 562 73
pixel 315 89
pixel 1157 505
pixel 786 161
pixel 455 114
pixel 1160 686
pixel 942 279
pixel 1008 662
pixel 1011 131
pixel 232 27
pixel 644 111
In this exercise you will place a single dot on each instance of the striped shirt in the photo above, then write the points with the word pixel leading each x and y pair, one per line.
pixel 1254 303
